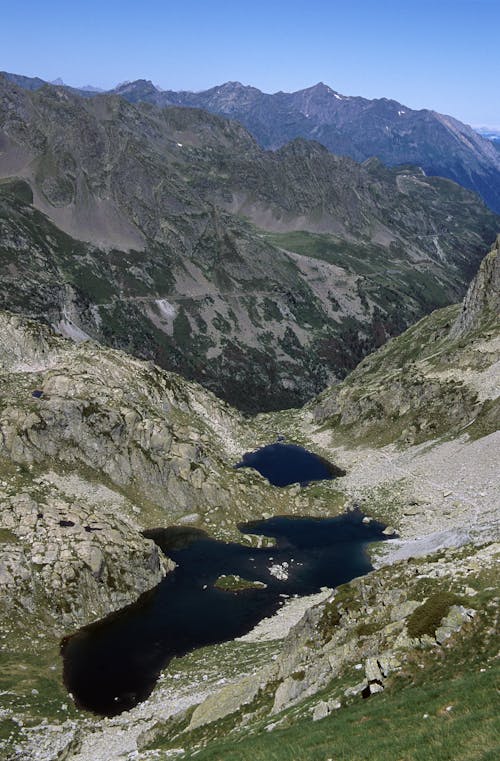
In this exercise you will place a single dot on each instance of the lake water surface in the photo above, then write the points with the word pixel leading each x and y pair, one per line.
pixel 284 464
pixel 112 665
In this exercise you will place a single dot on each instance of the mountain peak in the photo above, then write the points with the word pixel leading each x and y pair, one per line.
pixel 233 85
pixel 322 90
pixel 144 85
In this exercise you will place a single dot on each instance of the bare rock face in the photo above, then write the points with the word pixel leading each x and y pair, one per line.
pixel 483 296
pixel 95 447
pixel 69 560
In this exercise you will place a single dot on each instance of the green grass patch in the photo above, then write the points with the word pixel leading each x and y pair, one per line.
pixel 426 618
pixel 232 583
pixel 388 727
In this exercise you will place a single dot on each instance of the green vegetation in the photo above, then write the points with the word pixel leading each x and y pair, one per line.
pixel 8 537
pixel 426 618
pixel 358 258
pixel 31 684
pixel 329 620
pixel 439 706
pixel 414 725
pixel 367 628
pixel 232 583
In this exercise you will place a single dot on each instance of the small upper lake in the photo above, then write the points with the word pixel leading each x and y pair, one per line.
pixel 284 464
pixel 112 665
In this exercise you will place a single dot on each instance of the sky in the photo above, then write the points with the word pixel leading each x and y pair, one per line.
pixel 439 54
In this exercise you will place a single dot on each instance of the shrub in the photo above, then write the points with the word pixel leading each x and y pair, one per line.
pixel 426 618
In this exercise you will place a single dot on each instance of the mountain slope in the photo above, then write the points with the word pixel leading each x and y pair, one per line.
pixel 351 126
pixel 278 270
pixel 441 375
pixel 110 445
pixel 397 642
pixel 347 125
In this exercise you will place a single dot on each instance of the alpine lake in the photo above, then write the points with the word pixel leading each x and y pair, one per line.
pixel 113 664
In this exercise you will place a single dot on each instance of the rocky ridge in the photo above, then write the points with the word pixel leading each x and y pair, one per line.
pixel 346 125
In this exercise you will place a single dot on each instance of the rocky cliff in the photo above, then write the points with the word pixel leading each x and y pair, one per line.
pixel 482 302
pixel 439 377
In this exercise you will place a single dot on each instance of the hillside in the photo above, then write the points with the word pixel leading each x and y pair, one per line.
pixel 110 445
pixel 279 270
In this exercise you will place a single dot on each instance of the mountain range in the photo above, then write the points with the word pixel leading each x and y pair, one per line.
pixel 157 229
pixel 163 238
pixel 346 125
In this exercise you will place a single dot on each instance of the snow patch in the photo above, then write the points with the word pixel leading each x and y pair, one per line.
pixel 166 309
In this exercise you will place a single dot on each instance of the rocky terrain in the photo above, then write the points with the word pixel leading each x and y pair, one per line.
pixel 280 270
pixel 98 446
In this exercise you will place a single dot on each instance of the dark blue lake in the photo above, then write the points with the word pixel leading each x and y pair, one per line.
pixel 284 464
pixel 112 665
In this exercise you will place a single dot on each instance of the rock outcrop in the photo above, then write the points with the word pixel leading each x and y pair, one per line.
pixel 482 301
pixel 359 636
pixel 95 447
pixel 437 378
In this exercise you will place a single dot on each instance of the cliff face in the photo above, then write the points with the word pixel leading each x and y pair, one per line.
pixel 482 302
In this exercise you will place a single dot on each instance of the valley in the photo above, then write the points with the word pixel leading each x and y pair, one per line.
pixel 249 421
pixel 92 450
pixel 281 270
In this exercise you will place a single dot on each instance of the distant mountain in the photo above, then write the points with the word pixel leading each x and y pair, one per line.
pixel 170 233
pixel 35 83
pixel 488 133
pixel 27 83
pixel 348 126
pixel 91 89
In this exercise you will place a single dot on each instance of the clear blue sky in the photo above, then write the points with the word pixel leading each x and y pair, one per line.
pixel 440 54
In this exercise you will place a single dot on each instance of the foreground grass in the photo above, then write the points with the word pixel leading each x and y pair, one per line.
pixel 445 721
pixel 442 706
